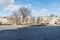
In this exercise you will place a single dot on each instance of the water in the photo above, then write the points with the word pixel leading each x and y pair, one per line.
pixel 32 33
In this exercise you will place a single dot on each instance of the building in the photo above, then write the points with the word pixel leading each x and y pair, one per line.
pixel 31 20
pixel 48 20
pixel 4 20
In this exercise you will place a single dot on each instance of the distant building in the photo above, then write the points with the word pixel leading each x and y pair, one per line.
pixel 48 20
pixel 10 21
pixel 4 20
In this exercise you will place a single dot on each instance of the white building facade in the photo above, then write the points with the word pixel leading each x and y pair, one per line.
pixel 48 20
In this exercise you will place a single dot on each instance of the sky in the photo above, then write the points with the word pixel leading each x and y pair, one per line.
pixel 37 7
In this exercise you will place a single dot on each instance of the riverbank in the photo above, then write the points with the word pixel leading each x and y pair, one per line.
pixel 10 27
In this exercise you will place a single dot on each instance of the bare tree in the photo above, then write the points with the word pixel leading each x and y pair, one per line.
pixel 15 17
pixel 24 12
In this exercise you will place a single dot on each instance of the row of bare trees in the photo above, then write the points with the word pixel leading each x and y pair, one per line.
pixel 24 12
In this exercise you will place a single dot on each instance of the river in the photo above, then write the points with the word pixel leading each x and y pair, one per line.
pixel 31 33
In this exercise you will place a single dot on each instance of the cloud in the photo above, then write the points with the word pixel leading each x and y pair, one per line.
pixel 7 6
pixel 33 11
pixel 6 2
pixel 28 6
pixel 11 8
pixel 36 2
pixel 44 11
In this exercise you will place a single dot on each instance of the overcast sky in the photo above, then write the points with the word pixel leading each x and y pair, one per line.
pixel 38 7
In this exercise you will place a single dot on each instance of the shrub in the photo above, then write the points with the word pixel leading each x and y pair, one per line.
pixel 42 24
